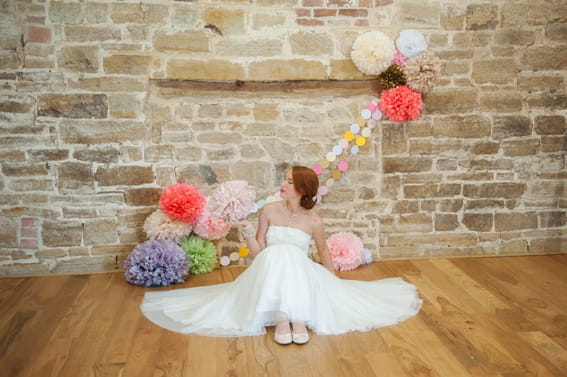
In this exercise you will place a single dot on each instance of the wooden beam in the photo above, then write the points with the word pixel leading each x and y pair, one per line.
pixel 245 89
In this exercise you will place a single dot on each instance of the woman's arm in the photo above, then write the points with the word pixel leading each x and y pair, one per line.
pixel 256 243
pixel 321 244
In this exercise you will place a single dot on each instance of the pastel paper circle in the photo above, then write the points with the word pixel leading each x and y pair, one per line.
pixel 366 114
pixel 324 163
pixel 360 141
pixel 354 128
pixel 371 123
pixel 349 136
pixel 371 107
pixel 342 166
pixel 336 174
pixel 318 169
pixel 323 190
pixel 261 203
pixel 243 252
pixel 330 182
pixel 337 150
pixel 366 132
pixel 360 121
pixel 343 143
pixel 331 156
pixel 234 256
pixel 224 260
pixel 377 115
pixel 355 149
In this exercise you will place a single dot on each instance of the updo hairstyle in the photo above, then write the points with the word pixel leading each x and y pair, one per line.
pixel 306 183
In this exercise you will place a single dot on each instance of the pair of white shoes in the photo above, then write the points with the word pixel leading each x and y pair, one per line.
pixel 287 338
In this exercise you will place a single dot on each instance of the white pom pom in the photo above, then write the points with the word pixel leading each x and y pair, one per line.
pixel 411 43
pixel 373 52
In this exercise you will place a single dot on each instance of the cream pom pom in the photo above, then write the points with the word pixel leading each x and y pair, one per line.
pixel 159 226
pixel 373 52
pixel 411 43
pixel 422 72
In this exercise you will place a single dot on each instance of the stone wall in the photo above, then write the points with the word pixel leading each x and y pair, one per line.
pixel 101 108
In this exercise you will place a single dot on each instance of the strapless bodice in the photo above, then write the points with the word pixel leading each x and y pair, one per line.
pixel 285 235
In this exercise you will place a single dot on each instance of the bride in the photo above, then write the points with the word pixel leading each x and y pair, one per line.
pixel 282 286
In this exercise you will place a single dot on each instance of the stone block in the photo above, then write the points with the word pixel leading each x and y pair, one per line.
pixel 412 13
pixel 549 101
pixel 544 58
pixel 405 164
pixel 75 176
pixel 101 132
pixel 511 126
pixel 517 14
pixel 515 148
pixel 294 69
pixel 155 13
pixel 210 111
pixel 504 222
pixel 127 64
pixel 549 245
pixel 75 106
pixel 65 13
pixel 278 149
pixel 494 71
pixel 124 106
pixel 345 69
pixel 541 82
pixel 550 125
pixel 109 84
pixel 91 264
pixel 219 70
pixel 432 190
pixel 103 155
pixel 461 127
pixel 100 232
pixel 122 13
pixel 553 219
pixel 266 20
pixel 266 111
pixel 451 101
pixel 483 204
pixel 78 59
pixel 311 43
pixel 45 155
pixel 188 41
pixel 91 33
pixel 124 175
pixel 257 173
pixel 500 101
pixel 16 105
pixel 61 233
pixel 219 138
pixel 97 13
pixel 478 222
pixel 481 17
pixel 487 147
pixel 228 21
pixel 22 170
pixel 247 47
pixel 452 17
pixel 505 190
pixel 10 60
pixel 413 223
pixel 158 153
pixel 446 222
pixel 556 31
pixel 450 205
pixel 406 206
pixel 9 232
pixel 515 37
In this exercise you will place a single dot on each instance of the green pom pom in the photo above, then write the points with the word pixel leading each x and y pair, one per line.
pixel 392 77
pixel 201 253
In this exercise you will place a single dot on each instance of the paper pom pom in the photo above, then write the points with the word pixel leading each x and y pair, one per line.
pixel 400 103
pixel 367 256
pixel 210 227
pixel 411 43
pixel 156 262
pixel 422 72
pixel 346 250
pixel 392 77
pixel 399 59
pixel 233 201
pixel 201 254
pixel 182 201
pixel 159 226
pixel 372 52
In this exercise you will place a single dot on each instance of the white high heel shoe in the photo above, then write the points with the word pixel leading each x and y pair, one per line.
pixel 300 338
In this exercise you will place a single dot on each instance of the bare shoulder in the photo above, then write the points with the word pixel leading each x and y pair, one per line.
pixel 316 221
pixel 271 207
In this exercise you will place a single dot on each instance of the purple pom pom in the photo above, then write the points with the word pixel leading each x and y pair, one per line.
pixel 156 262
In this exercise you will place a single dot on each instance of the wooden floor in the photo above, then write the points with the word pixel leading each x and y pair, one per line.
pixel 498 317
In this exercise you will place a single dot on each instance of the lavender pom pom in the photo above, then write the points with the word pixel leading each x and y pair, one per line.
pixel 156 262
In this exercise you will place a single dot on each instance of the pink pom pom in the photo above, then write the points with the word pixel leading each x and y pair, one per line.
pixel 400 103
pixel 346 250
pixel 233 201
pixel 399 59
pixel 209 227
pixel 182 201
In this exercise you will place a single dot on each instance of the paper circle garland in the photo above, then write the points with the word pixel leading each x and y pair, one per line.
pixel 342 166
pixel 354 128
pixel 224 260
pixel 318 169
pixel 366 114
pixel 349 136
pixel 243 252
pixel 343 143
pixel 337 150
pixel 331 156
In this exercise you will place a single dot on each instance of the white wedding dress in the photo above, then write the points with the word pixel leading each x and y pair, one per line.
pixel 283 282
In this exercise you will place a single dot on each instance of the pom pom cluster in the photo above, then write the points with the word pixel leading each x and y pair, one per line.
pixel 346 250
pixel 156 262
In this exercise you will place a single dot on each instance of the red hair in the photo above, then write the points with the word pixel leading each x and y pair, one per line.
pixel 306 183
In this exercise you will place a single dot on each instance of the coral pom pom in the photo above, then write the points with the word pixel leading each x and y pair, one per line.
pixel 346 250
pixel 400 104
pixel 182 201
pixel 210 227
pixel 156 262
pixel 233 201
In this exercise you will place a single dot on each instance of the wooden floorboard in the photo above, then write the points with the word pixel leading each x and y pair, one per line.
pixel 496 317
